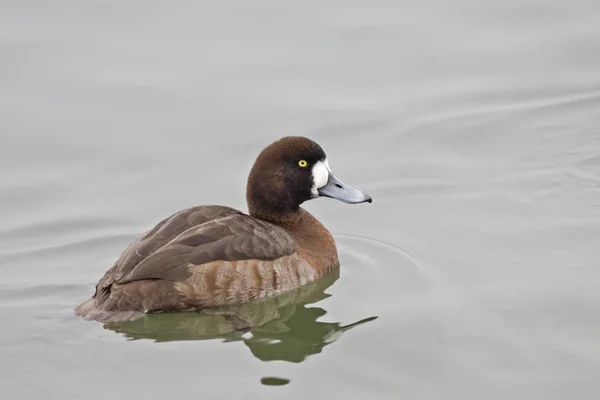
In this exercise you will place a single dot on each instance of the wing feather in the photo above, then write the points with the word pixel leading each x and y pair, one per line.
pixel 198 236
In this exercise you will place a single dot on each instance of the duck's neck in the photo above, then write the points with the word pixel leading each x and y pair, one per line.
pixel 284 219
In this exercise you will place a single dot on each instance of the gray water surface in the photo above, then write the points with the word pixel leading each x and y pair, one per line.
pixel 474 125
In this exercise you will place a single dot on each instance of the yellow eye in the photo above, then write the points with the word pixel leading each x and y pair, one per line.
pixel 302 163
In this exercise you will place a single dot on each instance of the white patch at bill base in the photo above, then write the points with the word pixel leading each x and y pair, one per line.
pixel 320 173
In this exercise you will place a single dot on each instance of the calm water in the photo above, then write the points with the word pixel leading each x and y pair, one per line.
pixel 474 125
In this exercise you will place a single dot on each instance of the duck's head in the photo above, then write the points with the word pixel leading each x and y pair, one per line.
pixel 291 171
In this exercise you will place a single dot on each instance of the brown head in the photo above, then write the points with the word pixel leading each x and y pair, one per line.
pixel 289 172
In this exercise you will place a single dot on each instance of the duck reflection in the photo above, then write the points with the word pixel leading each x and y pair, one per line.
pixel 278 328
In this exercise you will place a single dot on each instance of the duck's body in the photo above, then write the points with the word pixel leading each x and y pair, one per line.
pixel 210 256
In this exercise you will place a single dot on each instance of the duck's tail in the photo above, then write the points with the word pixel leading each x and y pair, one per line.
pixel 90 311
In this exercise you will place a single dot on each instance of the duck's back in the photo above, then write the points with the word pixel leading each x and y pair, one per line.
pixel 199 257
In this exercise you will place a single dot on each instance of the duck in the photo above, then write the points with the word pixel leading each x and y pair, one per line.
pixel 209 256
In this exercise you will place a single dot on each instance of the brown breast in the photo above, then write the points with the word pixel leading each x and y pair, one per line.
pixel 314 243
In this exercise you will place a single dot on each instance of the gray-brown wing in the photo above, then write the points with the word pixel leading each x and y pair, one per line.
pixel 165 231
pixel 230 238
pixel 149 243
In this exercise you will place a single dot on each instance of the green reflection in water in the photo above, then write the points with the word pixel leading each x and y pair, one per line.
pixel 278 328
pixel 274 381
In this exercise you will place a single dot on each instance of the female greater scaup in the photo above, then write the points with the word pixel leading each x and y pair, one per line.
pixel 209 256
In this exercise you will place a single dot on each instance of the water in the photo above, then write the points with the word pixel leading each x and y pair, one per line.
pixel 475 126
